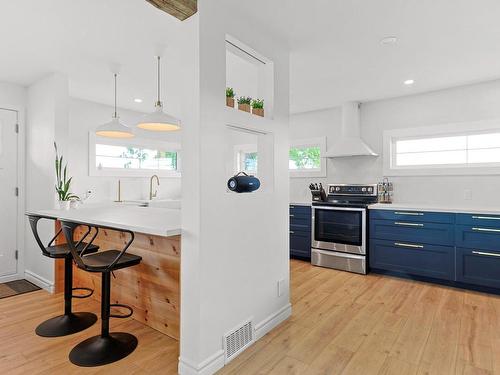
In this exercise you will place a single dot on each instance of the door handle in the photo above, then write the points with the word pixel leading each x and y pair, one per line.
pixel 487 254
pixel 400 244
pixel 409 224
pixel 486 230
pixel 409 213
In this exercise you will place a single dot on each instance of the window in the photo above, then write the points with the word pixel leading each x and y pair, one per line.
pixel 305 158
pixel 246 158
pixel 444 150
pixel 127 157
pixel 137 157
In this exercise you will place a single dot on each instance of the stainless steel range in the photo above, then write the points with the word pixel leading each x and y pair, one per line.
pixel 339 227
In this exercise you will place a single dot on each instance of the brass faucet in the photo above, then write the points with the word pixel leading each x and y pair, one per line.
pixel 151 194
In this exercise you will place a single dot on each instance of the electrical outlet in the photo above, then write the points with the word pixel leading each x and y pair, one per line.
pixel 467 194
pixel 281 286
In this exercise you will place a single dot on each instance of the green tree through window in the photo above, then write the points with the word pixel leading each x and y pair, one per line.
pixel 305 157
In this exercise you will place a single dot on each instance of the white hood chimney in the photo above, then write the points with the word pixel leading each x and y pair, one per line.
pixel 349 142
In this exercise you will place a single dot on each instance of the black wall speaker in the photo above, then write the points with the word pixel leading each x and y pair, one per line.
pixel 243 183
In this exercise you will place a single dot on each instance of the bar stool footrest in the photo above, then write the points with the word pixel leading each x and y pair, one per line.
pixel 121 316
pixel 90 292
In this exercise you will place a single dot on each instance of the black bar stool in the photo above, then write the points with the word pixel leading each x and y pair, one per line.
pixel 106 347
pixel 69 322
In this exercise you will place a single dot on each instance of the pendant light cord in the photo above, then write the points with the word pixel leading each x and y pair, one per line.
pixel 159 94
pixel 115 116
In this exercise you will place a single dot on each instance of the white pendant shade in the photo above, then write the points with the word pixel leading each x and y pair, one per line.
pixel 114 129
pixel 159 121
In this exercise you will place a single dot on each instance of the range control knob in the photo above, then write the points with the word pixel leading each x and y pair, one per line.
pixel 363 189
pixel 337 188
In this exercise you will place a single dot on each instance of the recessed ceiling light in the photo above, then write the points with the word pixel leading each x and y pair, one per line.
pixel 388 40
pixel 137 100
pixel 409 82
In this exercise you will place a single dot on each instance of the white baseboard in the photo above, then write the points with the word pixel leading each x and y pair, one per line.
pixel 215 362
pixel 7 278
pixel 272 321
pixel 208 367
pixel 39 281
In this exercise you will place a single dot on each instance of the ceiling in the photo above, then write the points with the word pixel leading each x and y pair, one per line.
pixel 85 40
pixel 336 54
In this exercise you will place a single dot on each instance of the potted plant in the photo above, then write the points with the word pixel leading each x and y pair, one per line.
pixel 244 103
pixel 258 107
pixel 63 183
pixel 230 97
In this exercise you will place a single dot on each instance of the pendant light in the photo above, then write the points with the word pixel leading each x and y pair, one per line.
pixel 159 121
pixel 114 128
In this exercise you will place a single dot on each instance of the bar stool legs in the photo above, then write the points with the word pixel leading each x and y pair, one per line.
pixel 70 322
pixel 107 347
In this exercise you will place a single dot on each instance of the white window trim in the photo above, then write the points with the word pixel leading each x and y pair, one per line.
pixel 318 141
pixel 137 142
pixel 454 129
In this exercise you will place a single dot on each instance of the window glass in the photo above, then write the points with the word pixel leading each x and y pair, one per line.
pixel 308 157
pixel 125 157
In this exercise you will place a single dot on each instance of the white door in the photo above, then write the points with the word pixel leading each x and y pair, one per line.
pixel 8 196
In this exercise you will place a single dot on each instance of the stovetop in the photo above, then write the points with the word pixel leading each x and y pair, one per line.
pixel 340 195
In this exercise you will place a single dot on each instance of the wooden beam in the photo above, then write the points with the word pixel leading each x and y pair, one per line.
pixel 181 9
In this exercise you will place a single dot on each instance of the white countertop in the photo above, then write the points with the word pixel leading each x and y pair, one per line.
pixel 436 208
pixel 149 220
pixel 300 203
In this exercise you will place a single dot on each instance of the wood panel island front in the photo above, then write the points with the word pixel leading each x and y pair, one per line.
pixel 151 289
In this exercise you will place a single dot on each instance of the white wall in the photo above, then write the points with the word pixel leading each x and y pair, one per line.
pixel 12 95
pixel 461 104
pixel 47 121
pixel 234 246
pixel 85 116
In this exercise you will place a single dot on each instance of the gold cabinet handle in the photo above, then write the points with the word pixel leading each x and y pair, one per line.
pixel 409 213
pixel 409 224
pixel 400 244
pixel 487 254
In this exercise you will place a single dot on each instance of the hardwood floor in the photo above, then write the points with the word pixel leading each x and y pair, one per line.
pixel 23 352
pixel 344 323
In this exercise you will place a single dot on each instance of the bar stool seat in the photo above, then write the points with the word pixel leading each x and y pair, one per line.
pixel 108 347
pixel 99 262
pixel 70 322
pixel 63 251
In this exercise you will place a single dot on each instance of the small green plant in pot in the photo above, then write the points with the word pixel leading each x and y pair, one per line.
pixel 258 107
pixel 230 97
pixel 244 103
pixel 63 183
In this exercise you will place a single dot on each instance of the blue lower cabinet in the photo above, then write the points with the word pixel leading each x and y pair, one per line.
pixel 417 259
pixel 480 237
pixel 300 244
pixel 429 233
pixel 478 267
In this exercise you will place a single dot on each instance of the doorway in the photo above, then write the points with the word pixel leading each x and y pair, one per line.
pixel 8 193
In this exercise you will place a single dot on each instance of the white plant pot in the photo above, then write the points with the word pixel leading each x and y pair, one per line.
pixel 74 204
pixel 64 205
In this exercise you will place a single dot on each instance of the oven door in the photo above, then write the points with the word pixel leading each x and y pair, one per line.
pixel 340 229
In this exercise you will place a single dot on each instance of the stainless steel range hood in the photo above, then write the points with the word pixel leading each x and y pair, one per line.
pixel 349 143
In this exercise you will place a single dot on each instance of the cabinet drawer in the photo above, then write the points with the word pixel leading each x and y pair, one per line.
pixel 429 233
pixel 414 259
pixel 300 210
pixel 477 220
pixel 300 244
pixel 413 216
pixel 302 220
pixel 478 267
pixel 477 237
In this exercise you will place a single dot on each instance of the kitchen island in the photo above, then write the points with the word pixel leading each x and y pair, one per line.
pixel 151 288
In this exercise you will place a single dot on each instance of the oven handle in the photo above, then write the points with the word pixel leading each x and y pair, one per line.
pixel 359 209
pixel 337 254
